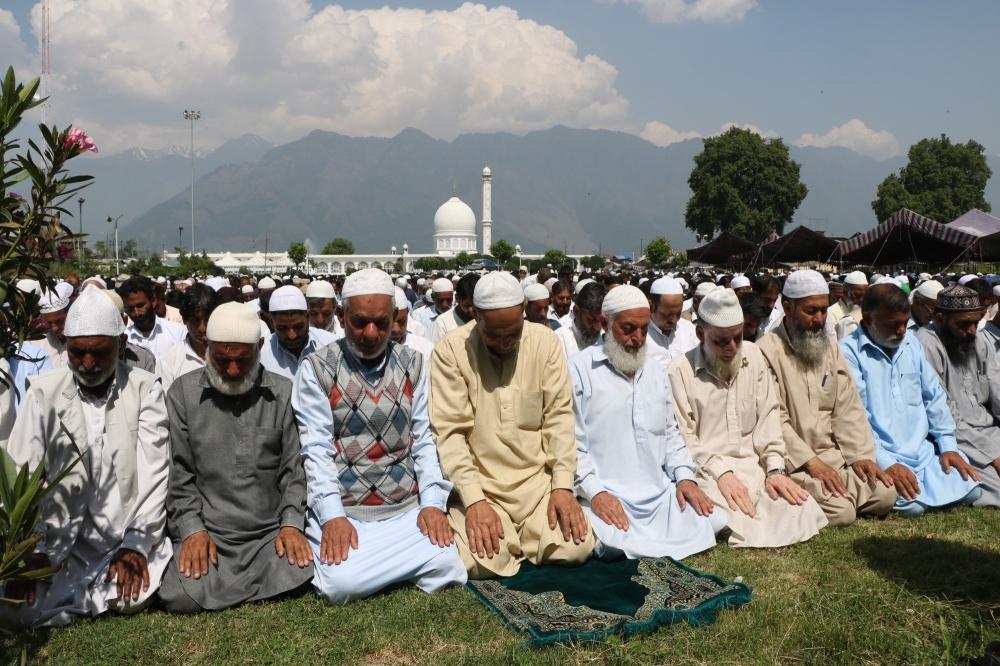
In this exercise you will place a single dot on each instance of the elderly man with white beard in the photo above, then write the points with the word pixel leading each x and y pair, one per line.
pixel 377 496
pixel 634 474
pixel 670 334
pixel 728 414
pixel 830 449
pixel 236 508
pixel 585 328
pixel 103 525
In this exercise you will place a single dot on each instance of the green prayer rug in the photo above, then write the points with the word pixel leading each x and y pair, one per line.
pixel 551 604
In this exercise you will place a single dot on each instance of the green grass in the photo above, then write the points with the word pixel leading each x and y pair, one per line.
pixel 897 591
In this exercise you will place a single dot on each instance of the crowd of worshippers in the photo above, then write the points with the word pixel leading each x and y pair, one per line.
pixel 238 440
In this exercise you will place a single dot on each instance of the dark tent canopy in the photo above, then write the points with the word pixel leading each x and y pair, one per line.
pixel 721 250
pixel 906 237
pixel 797 246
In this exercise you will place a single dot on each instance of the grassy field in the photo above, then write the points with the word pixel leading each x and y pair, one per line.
pixel 898 591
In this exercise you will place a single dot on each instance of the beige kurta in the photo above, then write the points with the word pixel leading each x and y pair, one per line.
pixel 822 415
pixel 505 433
pixel 737 428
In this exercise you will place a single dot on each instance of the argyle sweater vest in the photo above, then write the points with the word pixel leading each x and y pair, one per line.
pixel 372 435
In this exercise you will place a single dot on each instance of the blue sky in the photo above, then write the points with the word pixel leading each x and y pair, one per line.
pixel 798 69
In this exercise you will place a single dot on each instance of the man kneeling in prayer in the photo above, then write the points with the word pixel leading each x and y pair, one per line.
pixel 728 415
pixel 237 487
pixel 633 471
pixel 377 497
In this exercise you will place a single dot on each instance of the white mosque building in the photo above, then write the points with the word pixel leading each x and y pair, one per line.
pixel 454 232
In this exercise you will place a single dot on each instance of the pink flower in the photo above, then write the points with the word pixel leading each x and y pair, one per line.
pixel 78 138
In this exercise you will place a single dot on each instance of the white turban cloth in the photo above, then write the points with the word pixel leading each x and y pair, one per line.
pixel 721 308
pixel 805 283
pixel 287 298
pixel 625 297
pixel 93 313
pixel 369 282
pixel 666 286
pixel 442 285
pixel 497 290
pixel 233 322
pixel 536 292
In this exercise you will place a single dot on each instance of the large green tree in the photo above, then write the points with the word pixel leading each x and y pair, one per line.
pixel 657 252
pixel 339 246
pixel 502 251
pixel 743 183
pixel 942 180
pixel 594 262
pixel 297 252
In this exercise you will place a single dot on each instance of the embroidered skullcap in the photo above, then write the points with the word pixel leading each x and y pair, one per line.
pixel 50 302
pixel 233 322
pixel 320 289
pixel 93 313
pixel 368 282
pixel 399 299
pixel 442 285
pixel 705 288
pixel 740 281
pixel 856 278
pixel 957 298
pixel 267 283
pixel 287 298
pixel 666 286
pixel 805 283
pixel 721 308
pixel 246 289
pixel 497 290
pixel 94 280
pixel 966 279
pixel 535 292
pixel 929 289
pixel 580 285
pixel 625 297
pixel 116 299
pixel 65 290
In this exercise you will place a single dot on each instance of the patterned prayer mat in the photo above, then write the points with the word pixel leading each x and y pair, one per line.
pixel 553 604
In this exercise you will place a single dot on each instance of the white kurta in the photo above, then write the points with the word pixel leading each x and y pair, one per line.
pixel 165 334
pixel 444 325
pixel 176 361
pixel 668 347
pixel 628 445
pixel 420 344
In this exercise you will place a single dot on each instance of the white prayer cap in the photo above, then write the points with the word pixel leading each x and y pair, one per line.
pixel 740 281
pixel 497 290
pixel 442 285
pixel 805 283
pixel 966 279
pixel 116 299
pixel 285 299
pixel 522 268
pixel 535 292
pixel 400 300
pixel 721 308
pixel 51 302
pixel 65 290
pixel 625 297
pixel 161 280
pixel 548 283
pixel 929 289
pixel 421 282
pixel 643 280
pixel 666 286
pixel 580 285
pixel 923 277
pixel 246 289
pixel 684 283
pixel 234 322
pixel 216 283
pixel 319 289
pixel 367 282
pixel 93 313
pixel 267 283
pixel 27 285
pixel 886 280
pixel 996 291
pixel 856 278
pixel 94 280
pixel 429 296
pixel 401 283
pixel 903 279
pixel 705 288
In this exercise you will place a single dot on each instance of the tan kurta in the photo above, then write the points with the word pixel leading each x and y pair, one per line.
pixel 737 428
pixel 822 415
pixel 505 433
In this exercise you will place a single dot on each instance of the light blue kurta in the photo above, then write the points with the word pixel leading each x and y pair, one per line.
pixel 280 361
pixel 389 551
pixel 628 444
pixel 907 408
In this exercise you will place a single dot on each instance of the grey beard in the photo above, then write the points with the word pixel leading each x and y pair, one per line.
pixel 91 380
pixel 624 361
pixel 810 346
pixel 369 356
pixel 232 388
pixel 722 369
pixel 585 339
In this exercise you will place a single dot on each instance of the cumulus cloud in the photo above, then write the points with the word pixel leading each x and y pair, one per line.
pixel 663 134
pixel 708 11
pixel 854 135
pixel 12 48
pixel 126 71
pixel 767 134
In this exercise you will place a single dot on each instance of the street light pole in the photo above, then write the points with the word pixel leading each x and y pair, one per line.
pixel 192 116
pixel 79 240
pixel 114 221
pixel 180 237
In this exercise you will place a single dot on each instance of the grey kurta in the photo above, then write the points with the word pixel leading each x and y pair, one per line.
pixel 235 472
pixel 974 399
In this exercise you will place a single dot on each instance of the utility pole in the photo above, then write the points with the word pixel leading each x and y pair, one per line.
pixel 192 116
pixel 79 240
pixel 115 222
pixel 180 236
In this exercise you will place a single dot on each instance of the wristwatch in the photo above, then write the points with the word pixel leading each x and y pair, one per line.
pixel 778 470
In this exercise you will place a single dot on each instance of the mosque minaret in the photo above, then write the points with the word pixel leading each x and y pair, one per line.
pixel 487 209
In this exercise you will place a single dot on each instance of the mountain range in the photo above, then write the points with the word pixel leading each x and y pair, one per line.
pixel 572 189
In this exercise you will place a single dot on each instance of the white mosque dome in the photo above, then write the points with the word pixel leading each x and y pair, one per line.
pixel 454 216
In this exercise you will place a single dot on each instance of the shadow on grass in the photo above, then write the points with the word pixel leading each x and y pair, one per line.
pixel 25 643
pixel 948 570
